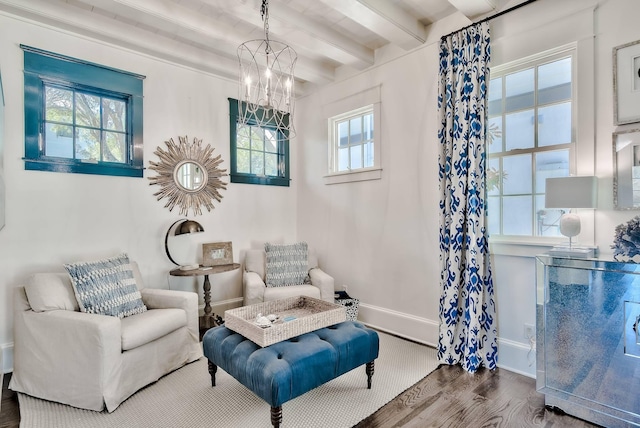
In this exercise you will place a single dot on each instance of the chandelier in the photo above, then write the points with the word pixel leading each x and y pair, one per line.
pixel 266 81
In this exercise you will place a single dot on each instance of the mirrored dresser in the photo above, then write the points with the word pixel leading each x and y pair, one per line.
pixel 588 344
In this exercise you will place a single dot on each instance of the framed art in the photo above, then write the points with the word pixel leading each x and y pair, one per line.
pixel 626 169
pixel 626 83
pixel 217 253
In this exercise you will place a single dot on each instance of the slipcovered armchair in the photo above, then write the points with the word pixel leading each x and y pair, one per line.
pixel 320 286
pixel 96 361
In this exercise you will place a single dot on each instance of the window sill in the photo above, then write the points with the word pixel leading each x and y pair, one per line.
pixel 353 176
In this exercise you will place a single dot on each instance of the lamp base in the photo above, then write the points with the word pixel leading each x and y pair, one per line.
pixel 573 252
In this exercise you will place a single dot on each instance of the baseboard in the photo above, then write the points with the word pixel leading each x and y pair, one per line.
pixel 7 357
pixel 512 356
pixel 223 305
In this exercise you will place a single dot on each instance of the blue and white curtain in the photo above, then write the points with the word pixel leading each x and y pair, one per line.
pixel 467 304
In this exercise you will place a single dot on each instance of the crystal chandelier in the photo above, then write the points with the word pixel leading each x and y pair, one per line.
pixel 266 81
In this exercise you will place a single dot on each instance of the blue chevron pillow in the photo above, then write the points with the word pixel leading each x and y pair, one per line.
pixel 286 264
pixel 106 287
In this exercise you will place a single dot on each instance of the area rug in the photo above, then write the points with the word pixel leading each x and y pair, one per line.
pixel 186 399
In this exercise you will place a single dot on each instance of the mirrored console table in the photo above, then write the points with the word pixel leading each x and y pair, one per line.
pixel 588 344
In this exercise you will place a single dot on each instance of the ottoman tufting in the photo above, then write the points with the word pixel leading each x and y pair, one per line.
pixel 288 369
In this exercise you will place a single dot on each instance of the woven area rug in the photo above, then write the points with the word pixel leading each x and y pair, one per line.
pixel 186 399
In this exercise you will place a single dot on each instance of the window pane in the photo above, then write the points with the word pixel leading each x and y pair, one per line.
pixel 343 159
pixel 257 138
pixel 518 220
pixel 554 124
pixel 548 220
pixel 520 130
pixel 493 176
pixel 519 89
pixel 493 214
pixel 243 161
pixel 270 141
pixel 355 130
pixel 356 156
pixel 518 174
pixel 58 141
pixel 243 135
pixel 368 126
pixel 87 110
pixel 59 105
pixel 115 147
pixel 343 133
pixel 551 164
pixel 114 114
pixel 494 134
pixel 495 96
pixel 554 81
pixel 87 144
pixel 271 164
pixel 257 163
pixel 368 155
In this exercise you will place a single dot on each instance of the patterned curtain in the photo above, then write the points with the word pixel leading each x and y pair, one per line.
pixel 467 305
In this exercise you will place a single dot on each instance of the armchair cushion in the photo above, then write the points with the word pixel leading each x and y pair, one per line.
pixel 106 287
pixel 150 325
pixel 286 264
pixel 51 291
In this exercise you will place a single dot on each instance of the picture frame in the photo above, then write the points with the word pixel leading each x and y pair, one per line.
pixel 626 83
pixel 626 166
pixel 217 253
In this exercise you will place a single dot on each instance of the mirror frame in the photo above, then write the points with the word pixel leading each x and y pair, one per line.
pixel 172 159
pixel 623 168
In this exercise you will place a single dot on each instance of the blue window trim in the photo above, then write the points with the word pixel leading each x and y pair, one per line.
pixel 283 142
pixel 43 67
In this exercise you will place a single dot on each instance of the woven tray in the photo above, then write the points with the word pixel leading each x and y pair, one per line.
pixel 310 314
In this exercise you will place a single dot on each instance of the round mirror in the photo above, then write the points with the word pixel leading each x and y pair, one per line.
pixel 190 176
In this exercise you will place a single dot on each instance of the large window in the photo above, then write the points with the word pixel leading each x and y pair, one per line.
pixel 259 154
pixel 81 117
pixel 531 137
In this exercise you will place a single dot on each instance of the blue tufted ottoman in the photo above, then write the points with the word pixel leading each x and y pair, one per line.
pixel 288 369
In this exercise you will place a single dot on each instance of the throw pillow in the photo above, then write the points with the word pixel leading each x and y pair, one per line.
pixel 106 287
pixel 286 264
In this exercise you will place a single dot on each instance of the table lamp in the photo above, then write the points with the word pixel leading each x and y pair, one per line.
pixel 571 192
pixel 187 226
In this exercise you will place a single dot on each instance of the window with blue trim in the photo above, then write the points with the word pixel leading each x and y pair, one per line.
pixel 81 117
pixel 259 154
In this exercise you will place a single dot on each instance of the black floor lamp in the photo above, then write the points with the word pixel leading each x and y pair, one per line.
pixel 187 226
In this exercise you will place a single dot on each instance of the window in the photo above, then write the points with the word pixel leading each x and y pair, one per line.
pixel 531 137
pixel 81 117
pixel 352 143
pixel 259 154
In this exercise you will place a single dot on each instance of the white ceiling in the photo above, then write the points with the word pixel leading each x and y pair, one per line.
pixel 327 35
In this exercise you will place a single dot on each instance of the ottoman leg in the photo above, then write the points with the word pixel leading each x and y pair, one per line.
pixel 212 371
pixel 369 369
pixel 276 416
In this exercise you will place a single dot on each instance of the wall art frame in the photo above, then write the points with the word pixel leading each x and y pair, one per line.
pixel 217 253
pixel 626 83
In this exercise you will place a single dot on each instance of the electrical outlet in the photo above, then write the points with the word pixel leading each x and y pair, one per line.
pixel 529 331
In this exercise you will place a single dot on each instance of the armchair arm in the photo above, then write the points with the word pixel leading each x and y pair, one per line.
pixel 324 282
pixel 254 288
pixel 155 298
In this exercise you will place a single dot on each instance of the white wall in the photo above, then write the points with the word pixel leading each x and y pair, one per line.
pixel 53 218
pixel 381 237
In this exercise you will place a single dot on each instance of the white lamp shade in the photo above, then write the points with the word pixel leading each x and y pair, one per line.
pixel 571 192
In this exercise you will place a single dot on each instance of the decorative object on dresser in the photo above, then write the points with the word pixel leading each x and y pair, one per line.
pixel 587 348
pixel 571 192
pixel 256 277
pixel 217 253
pixel 186 227
pixel 91 360
pixel 188 175
pixel 626 243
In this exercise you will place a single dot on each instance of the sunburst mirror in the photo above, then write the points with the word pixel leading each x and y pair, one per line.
pixel 188 176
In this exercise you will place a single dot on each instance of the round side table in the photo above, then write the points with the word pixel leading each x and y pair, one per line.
pixel 209 319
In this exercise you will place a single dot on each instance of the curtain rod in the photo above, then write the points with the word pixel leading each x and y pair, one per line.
pixel 489 18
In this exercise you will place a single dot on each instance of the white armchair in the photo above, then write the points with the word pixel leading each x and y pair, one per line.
pixel 256 291
pixel 95 361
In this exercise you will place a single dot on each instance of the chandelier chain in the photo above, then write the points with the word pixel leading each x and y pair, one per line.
pixel 264 11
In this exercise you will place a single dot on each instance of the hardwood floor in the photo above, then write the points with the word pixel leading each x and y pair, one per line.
pixel 448 397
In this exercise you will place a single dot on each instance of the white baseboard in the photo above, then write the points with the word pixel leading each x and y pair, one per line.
pixel 223 305
pixel 512 356
pixel 7 357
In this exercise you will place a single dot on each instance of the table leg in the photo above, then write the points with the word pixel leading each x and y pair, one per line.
pixel 209 319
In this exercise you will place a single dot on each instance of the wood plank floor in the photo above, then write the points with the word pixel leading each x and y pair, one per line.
pixel 448 397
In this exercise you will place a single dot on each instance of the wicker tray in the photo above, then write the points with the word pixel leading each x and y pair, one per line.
pixel 310 314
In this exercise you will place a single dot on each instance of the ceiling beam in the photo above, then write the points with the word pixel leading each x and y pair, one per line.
pixel 384 18
pixel 472 8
